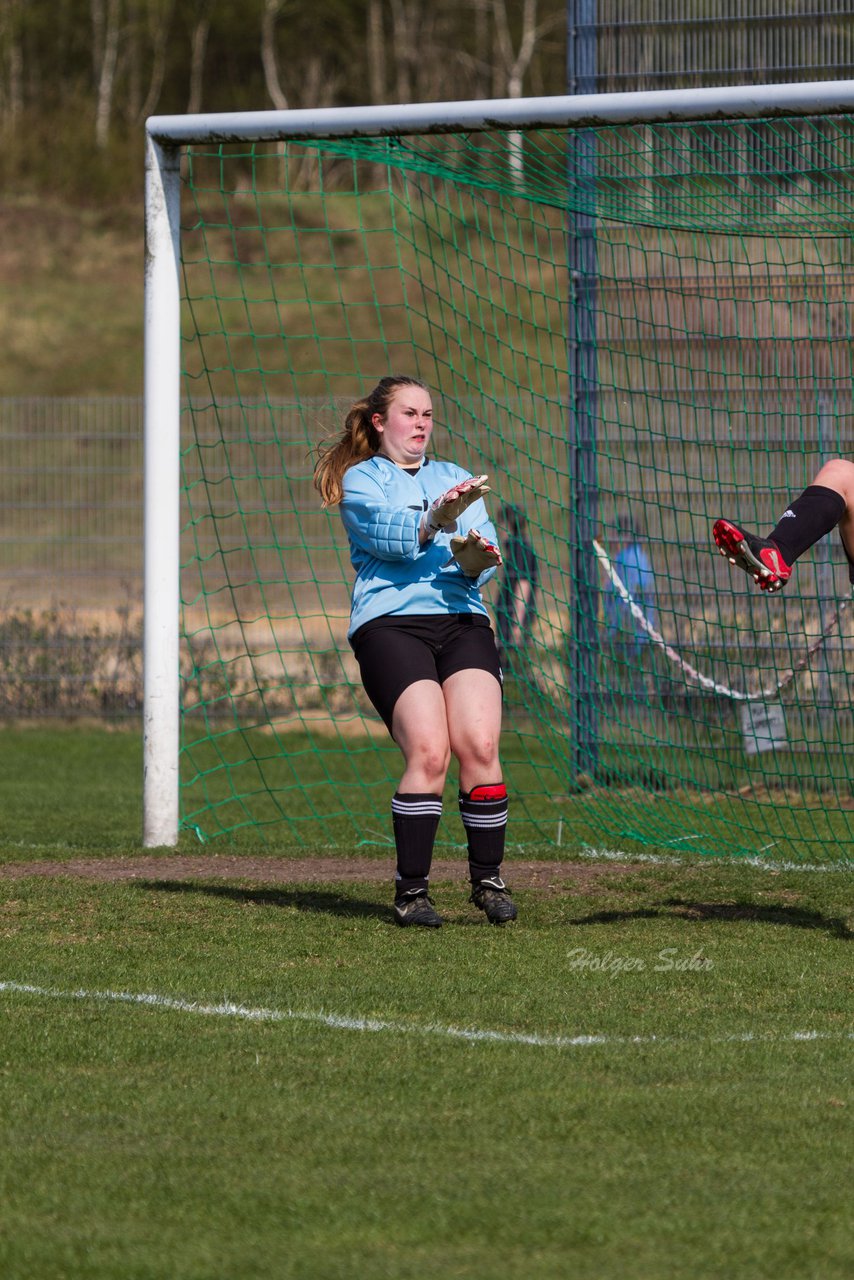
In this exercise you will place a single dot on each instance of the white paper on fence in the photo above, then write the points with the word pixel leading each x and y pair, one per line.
pixel 763 726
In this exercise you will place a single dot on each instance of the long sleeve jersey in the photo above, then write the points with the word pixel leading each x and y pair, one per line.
pixel 382 508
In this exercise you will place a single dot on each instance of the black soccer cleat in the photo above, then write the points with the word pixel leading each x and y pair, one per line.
pixel 416 908
pixel 758 557
pixel 493 898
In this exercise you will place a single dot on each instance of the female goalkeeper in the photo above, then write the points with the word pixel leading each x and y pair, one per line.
pixel 422 546
pixel 825 504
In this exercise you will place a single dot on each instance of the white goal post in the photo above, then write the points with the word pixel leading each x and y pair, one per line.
pixel 165 138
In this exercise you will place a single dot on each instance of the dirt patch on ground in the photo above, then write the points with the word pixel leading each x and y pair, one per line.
pixel 520 874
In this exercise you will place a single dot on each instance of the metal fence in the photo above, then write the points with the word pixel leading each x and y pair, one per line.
pixel 71 538
pixel 70 555
pixel 683 44
pixel 70 518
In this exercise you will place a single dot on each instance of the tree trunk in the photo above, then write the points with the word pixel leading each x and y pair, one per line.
pixel 96 8
pixel 404 22
pixel 482 52
pixel 269 58
pixel 10 29
pixel 159 25
pixel 514 65
pixel 201 31
pixel 109 23
pixel 376 52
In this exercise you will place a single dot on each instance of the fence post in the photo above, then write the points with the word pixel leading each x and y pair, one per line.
pixel 583 640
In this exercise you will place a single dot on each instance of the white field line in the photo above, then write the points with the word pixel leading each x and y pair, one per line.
pixel 341 1022
pixel 764 864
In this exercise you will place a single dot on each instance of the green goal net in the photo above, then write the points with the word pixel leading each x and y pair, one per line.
pixel 633 330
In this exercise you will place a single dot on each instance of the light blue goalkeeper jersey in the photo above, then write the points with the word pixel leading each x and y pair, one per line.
pixel 382 508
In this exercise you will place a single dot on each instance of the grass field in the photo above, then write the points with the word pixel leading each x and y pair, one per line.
pixel 647 1076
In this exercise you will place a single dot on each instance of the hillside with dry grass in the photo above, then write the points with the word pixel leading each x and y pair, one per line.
pixel 71 286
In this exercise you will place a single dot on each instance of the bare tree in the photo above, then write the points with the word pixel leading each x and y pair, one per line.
pixel 198 49
pixel 405 16
pixel 12 102
pixel 376 51
pixel 514 62
pixel 269 56
pixel 106 30
pixel 160 14
pixel 482 55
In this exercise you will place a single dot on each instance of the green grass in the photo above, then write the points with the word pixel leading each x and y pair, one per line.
pixel 248 783
pixel 698 1137
pixel 145 1142
pixel 335 795
pixel 69 788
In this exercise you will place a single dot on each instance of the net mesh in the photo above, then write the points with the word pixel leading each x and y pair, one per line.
pixel 634 331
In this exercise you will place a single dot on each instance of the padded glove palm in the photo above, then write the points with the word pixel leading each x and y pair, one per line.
pixel 474 553
pixel 443 512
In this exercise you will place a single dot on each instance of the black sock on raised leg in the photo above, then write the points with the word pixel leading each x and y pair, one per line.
pixel 806 520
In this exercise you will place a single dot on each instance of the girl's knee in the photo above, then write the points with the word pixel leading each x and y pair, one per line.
pixel 430 758
pixel 838 474
pixel 480 753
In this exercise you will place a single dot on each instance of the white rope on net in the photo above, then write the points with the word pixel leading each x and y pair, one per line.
pixel 706 682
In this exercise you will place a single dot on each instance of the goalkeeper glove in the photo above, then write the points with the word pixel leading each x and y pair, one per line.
pixel 474 553
pixel 443 512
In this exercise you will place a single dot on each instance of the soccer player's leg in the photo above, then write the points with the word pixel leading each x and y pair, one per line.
pixel 419 727
pixel 824 504
pixel 398 672
pixel 473 701
pixel 838 474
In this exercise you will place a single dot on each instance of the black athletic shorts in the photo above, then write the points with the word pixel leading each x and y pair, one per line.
pixel 393 652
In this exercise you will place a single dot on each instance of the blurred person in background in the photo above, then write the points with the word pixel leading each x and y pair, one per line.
pixel 634 568
pixel 516 607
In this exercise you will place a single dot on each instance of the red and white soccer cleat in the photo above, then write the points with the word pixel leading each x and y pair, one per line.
pixel 756 556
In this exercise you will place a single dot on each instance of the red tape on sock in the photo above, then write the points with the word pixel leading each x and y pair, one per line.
pixel 497 791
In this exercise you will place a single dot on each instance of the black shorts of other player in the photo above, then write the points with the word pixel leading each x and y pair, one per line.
pixel 394 652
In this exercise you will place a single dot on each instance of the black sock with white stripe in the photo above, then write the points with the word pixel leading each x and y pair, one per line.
pixel 484 814
pixel 415 819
